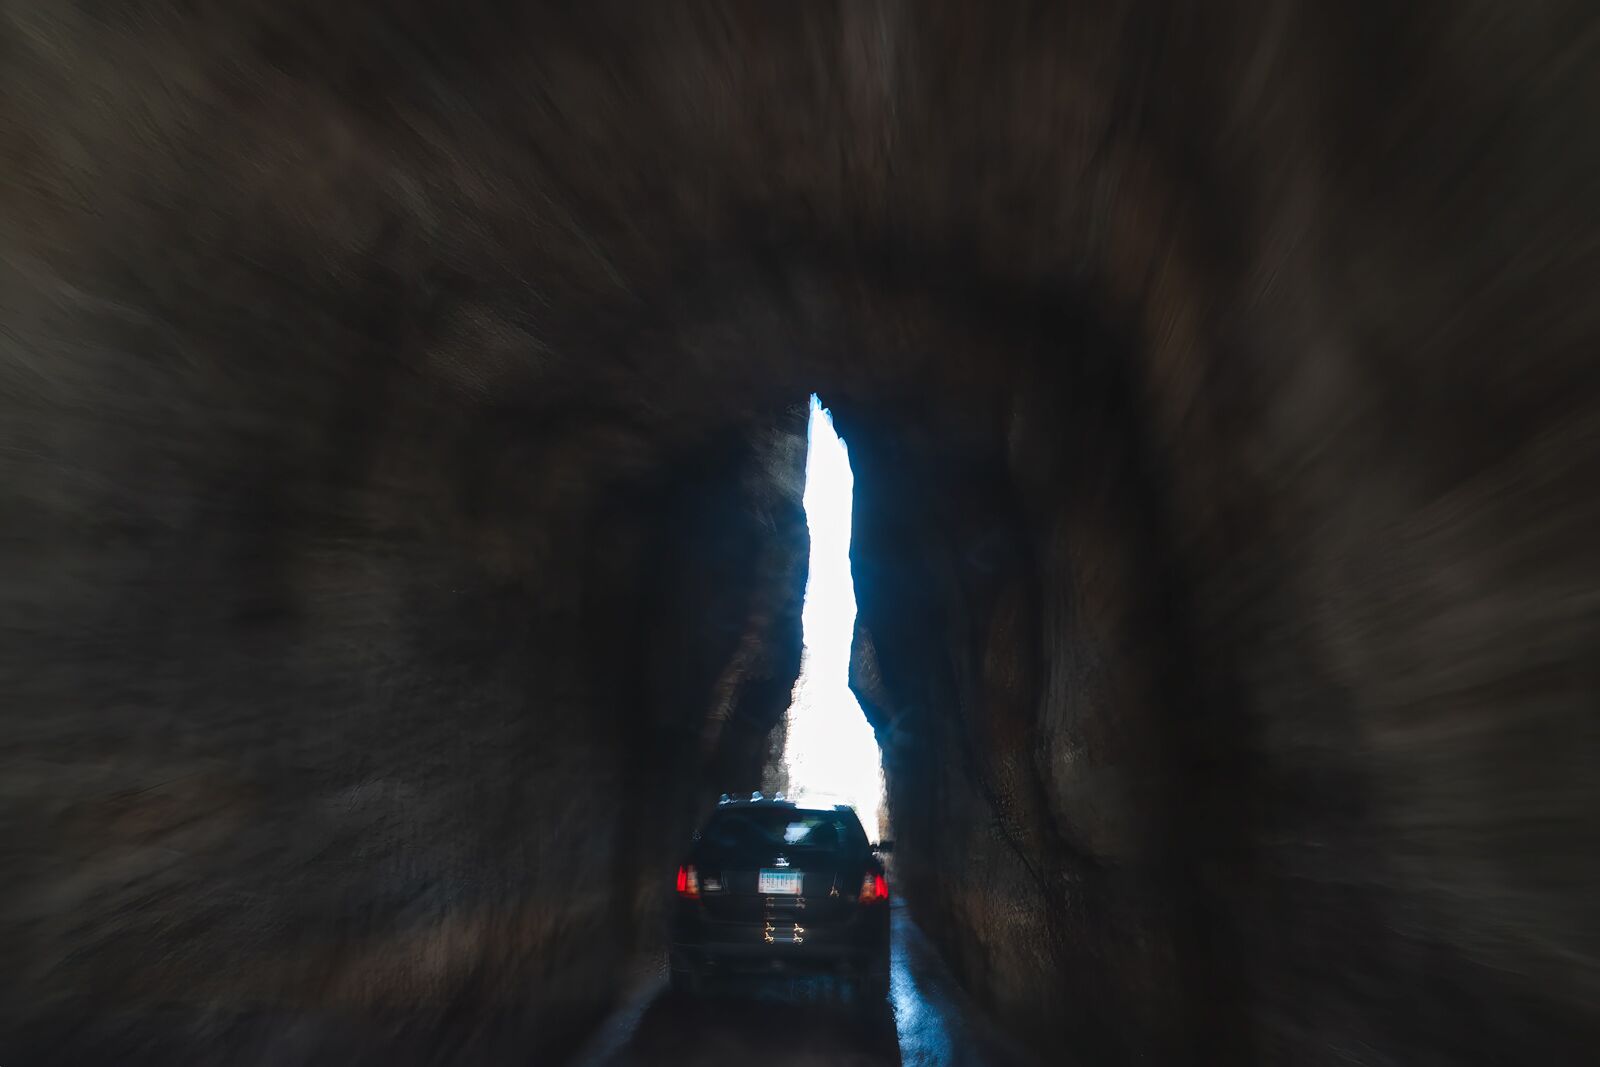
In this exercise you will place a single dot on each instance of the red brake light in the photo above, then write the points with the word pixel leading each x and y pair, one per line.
pixel 874 888
pixel 688 882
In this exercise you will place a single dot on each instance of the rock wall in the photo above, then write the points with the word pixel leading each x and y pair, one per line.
pixel 1148 796
pixel 361 688
pixel 400 476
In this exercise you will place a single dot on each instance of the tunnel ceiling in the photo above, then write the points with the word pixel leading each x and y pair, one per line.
pixel 404 426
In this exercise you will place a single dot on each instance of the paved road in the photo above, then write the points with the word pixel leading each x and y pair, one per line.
pixel 926 1021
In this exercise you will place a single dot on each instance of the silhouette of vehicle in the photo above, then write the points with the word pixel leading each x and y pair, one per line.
pixel 771 887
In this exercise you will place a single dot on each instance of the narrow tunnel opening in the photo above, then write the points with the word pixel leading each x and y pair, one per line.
pixel 830 750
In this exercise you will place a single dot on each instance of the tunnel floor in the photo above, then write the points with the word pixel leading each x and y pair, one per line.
pixel 926 1022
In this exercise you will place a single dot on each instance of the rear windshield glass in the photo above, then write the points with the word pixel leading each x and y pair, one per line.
pixel 783 828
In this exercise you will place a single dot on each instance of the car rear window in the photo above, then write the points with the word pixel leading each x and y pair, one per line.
pixel 782 828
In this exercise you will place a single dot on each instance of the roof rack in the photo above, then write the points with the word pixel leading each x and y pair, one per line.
pixel 756 797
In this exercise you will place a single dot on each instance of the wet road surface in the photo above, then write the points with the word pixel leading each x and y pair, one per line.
pixel 791 1022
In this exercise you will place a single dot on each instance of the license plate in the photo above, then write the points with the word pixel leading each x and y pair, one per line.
pixel 779 882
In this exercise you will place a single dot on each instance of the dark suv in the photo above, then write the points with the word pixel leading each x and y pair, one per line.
pixel 772 887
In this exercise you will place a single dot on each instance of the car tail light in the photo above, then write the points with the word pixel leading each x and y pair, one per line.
pixel 688 882
pixel 874 888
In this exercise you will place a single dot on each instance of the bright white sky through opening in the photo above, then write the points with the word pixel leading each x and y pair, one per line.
pixel 831 752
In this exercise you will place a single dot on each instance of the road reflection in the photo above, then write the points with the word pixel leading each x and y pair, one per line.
pixel 790 1022
pixel 937 1025
pixel 919 1024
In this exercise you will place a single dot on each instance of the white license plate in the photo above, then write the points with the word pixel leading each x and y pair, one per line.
pixel 779 882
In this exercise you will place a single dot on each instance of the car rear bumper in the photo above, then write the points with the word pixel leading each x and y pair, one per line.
pixel 857 946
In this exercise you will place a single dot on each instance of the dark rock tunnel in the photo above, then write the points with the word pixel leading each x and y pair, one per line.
pixel 403 430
